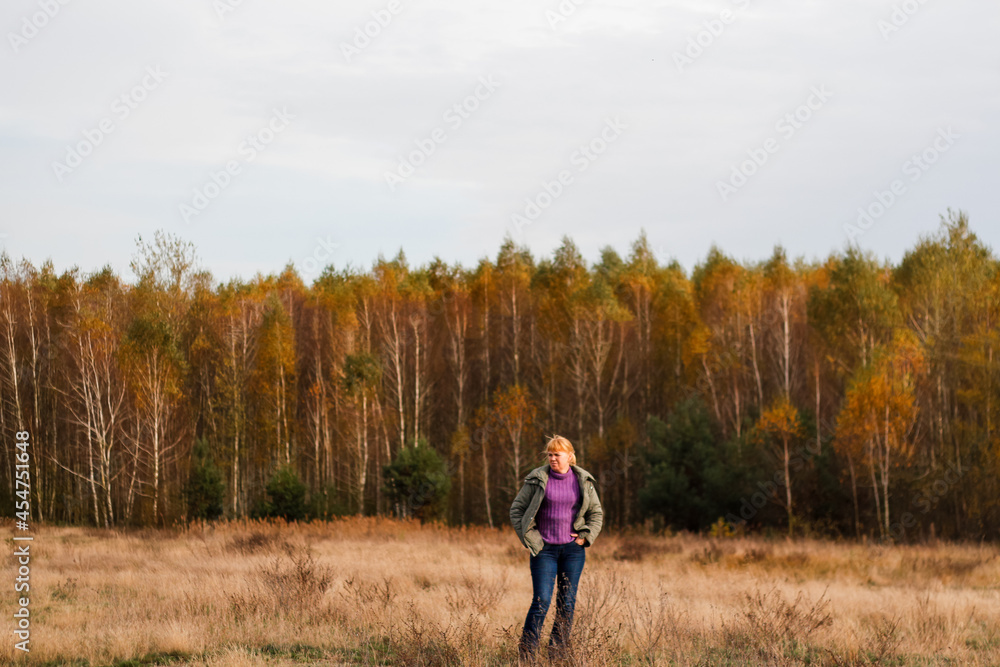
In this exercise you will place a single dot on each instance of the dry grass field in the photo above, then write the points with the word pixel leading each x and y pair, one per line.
pixel 376 591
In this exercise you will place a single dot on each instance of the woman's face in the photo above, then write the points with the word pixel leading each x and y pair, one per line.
pixel 559 461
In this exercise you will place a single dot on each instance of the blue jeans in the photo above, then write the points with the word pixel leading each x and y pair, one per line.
pixel 562 563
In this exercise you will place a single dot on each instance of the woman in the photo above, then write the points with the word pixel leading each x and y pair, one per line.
pixel 556 515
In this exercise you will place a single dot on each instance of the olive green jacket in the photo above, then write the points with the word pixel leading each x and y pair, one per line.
pixel 587 523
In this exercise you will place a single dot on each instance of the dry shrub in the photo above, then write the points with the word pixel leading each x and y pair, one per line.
pixel 424 642
pixel 757 554
pixel 479 593
pixel 769 624
pixel 421 641
pixel 944 567
pixel 883 640
pixel 370 593
pixel 289 584
pixel 251 543
pixel 652 623
pixel 713 553
pixel 470 635
pixel 879 647
pixel 634 549
pixel 792 561
pixel 594 635
pixel 66 591
pixel 934 628
pixel 370 602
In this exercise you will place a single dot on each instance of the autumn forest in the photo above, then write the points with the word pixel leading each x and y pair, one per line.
pixel 848 397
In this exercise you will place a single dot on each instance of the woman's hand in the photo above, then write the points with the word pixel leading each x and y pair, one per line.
pixel 579 540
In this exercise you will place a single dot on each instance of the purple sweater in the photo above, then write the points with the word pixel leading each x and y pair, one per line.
pixel 559 508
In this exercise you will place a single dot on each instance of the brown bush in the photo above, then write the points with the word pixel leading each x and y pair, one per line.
pixel 290 584
pixel 251 543
pixel 634 549
pixel 769 623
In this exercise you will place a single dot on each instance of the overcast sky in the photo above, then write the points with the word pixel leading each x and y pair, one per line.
pixel 269 132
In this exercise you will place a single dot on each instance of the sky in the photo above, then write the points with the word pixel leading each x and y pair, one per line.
pixel 324 133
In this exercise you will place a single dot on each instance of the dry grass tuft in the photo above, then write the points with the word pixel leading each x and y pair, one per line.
pixel 289 584
pixel 878 648
pixel 772 625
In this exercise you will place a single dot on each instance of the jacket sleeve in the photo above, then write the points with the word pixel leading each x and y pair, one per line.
pixel 594 516
pixel 518 508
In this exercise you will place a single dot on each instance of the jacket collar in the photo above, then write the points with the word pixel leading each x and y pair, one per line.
pixel 541 473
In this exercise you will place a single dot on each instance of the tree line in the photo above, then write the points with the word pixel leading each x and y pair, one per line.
pixel 844 397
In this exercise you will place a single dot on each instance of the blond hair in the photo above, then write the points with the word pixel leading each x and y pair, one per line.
pixel 557 443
